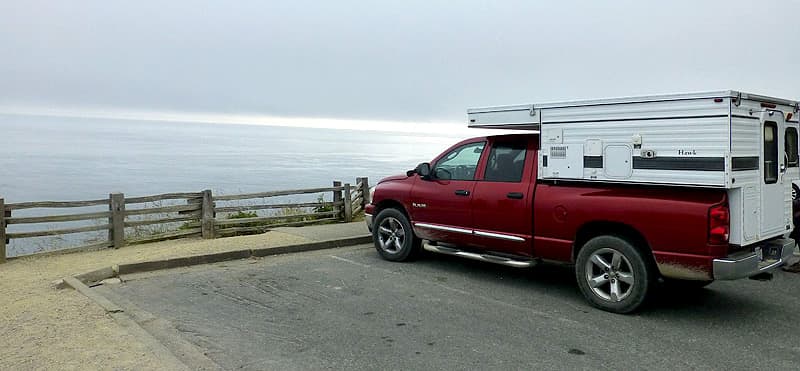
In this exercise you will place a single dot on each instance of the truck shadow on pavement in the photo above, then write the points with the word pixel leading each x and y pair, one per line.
pixel 720 302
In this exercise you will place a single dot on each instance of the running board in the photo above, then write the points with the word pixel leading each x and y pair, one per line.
pixel 479 257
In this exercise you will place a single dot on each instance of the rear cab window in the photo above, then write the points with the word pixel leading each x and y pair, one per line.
pixel 506 162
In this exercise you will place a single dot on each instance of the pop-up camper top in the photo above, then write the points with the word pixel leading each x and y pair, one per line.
pixel 742 142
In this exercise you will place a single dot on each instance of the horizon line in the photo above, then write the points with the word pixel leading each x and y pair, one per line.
pixel 440 127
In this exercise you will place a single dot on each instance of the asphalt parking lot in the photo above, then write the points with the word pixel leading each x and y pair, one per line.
pixel 348 309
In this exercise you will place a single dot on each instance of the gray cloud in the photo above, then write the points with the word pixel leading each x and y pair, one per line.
pixel 409 60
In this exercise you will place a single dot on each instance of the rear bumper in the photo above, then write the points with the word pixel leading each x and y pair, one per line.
pixel 765 257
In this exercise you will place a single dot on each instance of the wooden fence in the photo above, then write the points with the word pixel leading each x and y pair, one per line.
pixel 197 216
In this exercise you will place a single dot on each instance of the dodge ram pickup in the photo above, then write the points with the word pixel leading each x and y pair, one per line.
pixel 481 199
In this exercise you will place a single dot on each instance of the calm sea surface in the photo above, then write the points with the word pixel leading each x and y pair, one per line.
pixel 52 158
pixel 44 158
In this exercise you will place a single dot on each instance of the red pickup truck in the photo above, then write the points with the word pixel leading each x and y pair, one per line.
pixel 481 199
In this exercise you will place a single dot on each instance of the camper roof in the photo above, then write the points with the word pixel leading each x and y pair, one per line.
pixel 512 116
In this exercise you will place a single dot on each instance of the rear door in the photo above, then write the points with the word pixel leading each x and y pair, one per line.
pixel 441 206
pixel 501 203
pixel 775 184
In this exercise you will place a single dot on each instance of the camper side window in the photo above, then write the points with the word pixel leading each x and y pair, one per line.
pixel 791 147
pixel 770 152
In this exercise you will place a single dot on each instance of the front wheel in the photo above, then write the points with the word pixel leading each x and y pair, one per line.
pixel 394 239
pixel 613 275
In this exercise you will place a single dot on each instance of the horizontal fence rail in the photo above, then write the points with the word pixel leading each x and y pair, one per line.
pixel 179 215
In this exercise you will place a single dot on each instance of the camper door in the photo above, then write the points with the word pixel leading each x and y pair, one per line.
pixel 775 185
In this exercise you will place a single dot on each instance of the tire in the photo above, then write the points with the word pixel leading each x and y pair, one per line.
pixel 613 275
pixel 393 237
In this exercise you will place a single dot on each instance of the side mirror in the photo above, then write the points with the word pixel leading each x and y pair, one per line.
pixel 424 170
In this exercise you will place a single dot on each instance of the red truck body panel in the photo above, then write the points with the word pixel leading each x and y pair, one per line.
pixel 672 221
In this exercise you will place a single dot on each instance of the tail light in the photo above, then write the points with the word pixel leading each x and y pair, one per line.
pixel 719 222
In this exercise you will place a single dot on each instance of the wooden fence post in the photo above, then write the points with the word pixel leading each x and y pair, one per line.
pixel 337 196
pixel 207 216
pixel 2 231
pixel 365 196
pixel 117 220
pixel 348 204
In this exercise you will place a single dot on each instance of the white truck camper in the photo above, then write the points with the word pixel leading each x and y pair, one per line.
pixel 745 143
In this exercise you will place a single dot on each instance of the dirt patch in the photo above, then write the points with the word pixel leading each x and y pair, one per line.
pixel 45 328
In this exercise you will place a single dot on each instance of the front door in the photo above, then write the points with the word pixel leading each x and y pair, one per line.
pixel 440 206
pixel 775 185
pixel 501 204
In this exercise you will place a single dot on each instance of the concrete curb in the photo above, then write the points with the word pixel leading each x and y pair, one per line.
pixel 182 261
pixel 94 277
pixel 321 245
pixel 94 296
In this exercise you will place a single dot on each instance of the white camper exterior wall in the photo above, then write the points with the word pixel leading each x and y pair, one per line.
pixel 688 142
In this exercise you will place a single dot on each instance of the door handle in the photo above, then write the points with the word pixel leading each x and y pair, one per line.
pixel 462 192
pixel 515 195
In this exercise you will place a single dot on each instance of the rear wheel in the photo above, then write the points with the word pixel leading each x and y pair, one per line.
pixel 394 239
pixel 613 275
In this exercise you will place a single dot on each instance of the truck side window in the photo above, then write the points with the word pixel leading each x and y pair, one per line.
pixel 791 147
pixel 506 162
pixel 770 152
pixel 460 163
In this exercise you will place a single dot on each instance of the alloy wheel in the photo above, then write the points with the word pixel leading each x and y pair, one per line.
pixel 609 274
pixel 391 235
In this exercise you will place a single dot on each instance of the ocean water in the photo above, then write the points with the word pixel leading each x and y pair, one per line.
pixel 59 158
pixel 53 158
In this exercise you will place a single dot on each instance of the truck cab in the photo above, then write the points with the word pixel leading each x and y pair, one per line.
pixel 501 171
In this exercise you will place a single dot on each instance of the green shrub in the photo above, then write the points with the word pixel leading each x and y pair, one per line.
pixel 327 207
pixel 243 215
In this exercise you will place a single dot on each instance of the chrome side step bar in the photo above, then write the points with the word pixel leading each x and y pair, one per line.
pixel 479 257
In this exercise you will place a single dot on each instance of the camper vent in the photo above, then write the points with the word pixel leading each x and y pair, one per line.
pixel 558 152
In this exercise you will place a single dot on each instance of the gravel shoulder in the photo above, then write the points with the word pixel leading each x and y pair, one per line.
pixel 45 328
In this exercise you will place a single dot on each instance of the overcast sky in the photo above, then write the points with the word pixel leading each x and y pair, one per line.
pixel 400 60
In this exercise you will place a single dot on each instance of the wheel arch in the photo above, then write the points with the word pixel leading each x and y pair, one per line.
pixel 608 228
pixel 394 204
